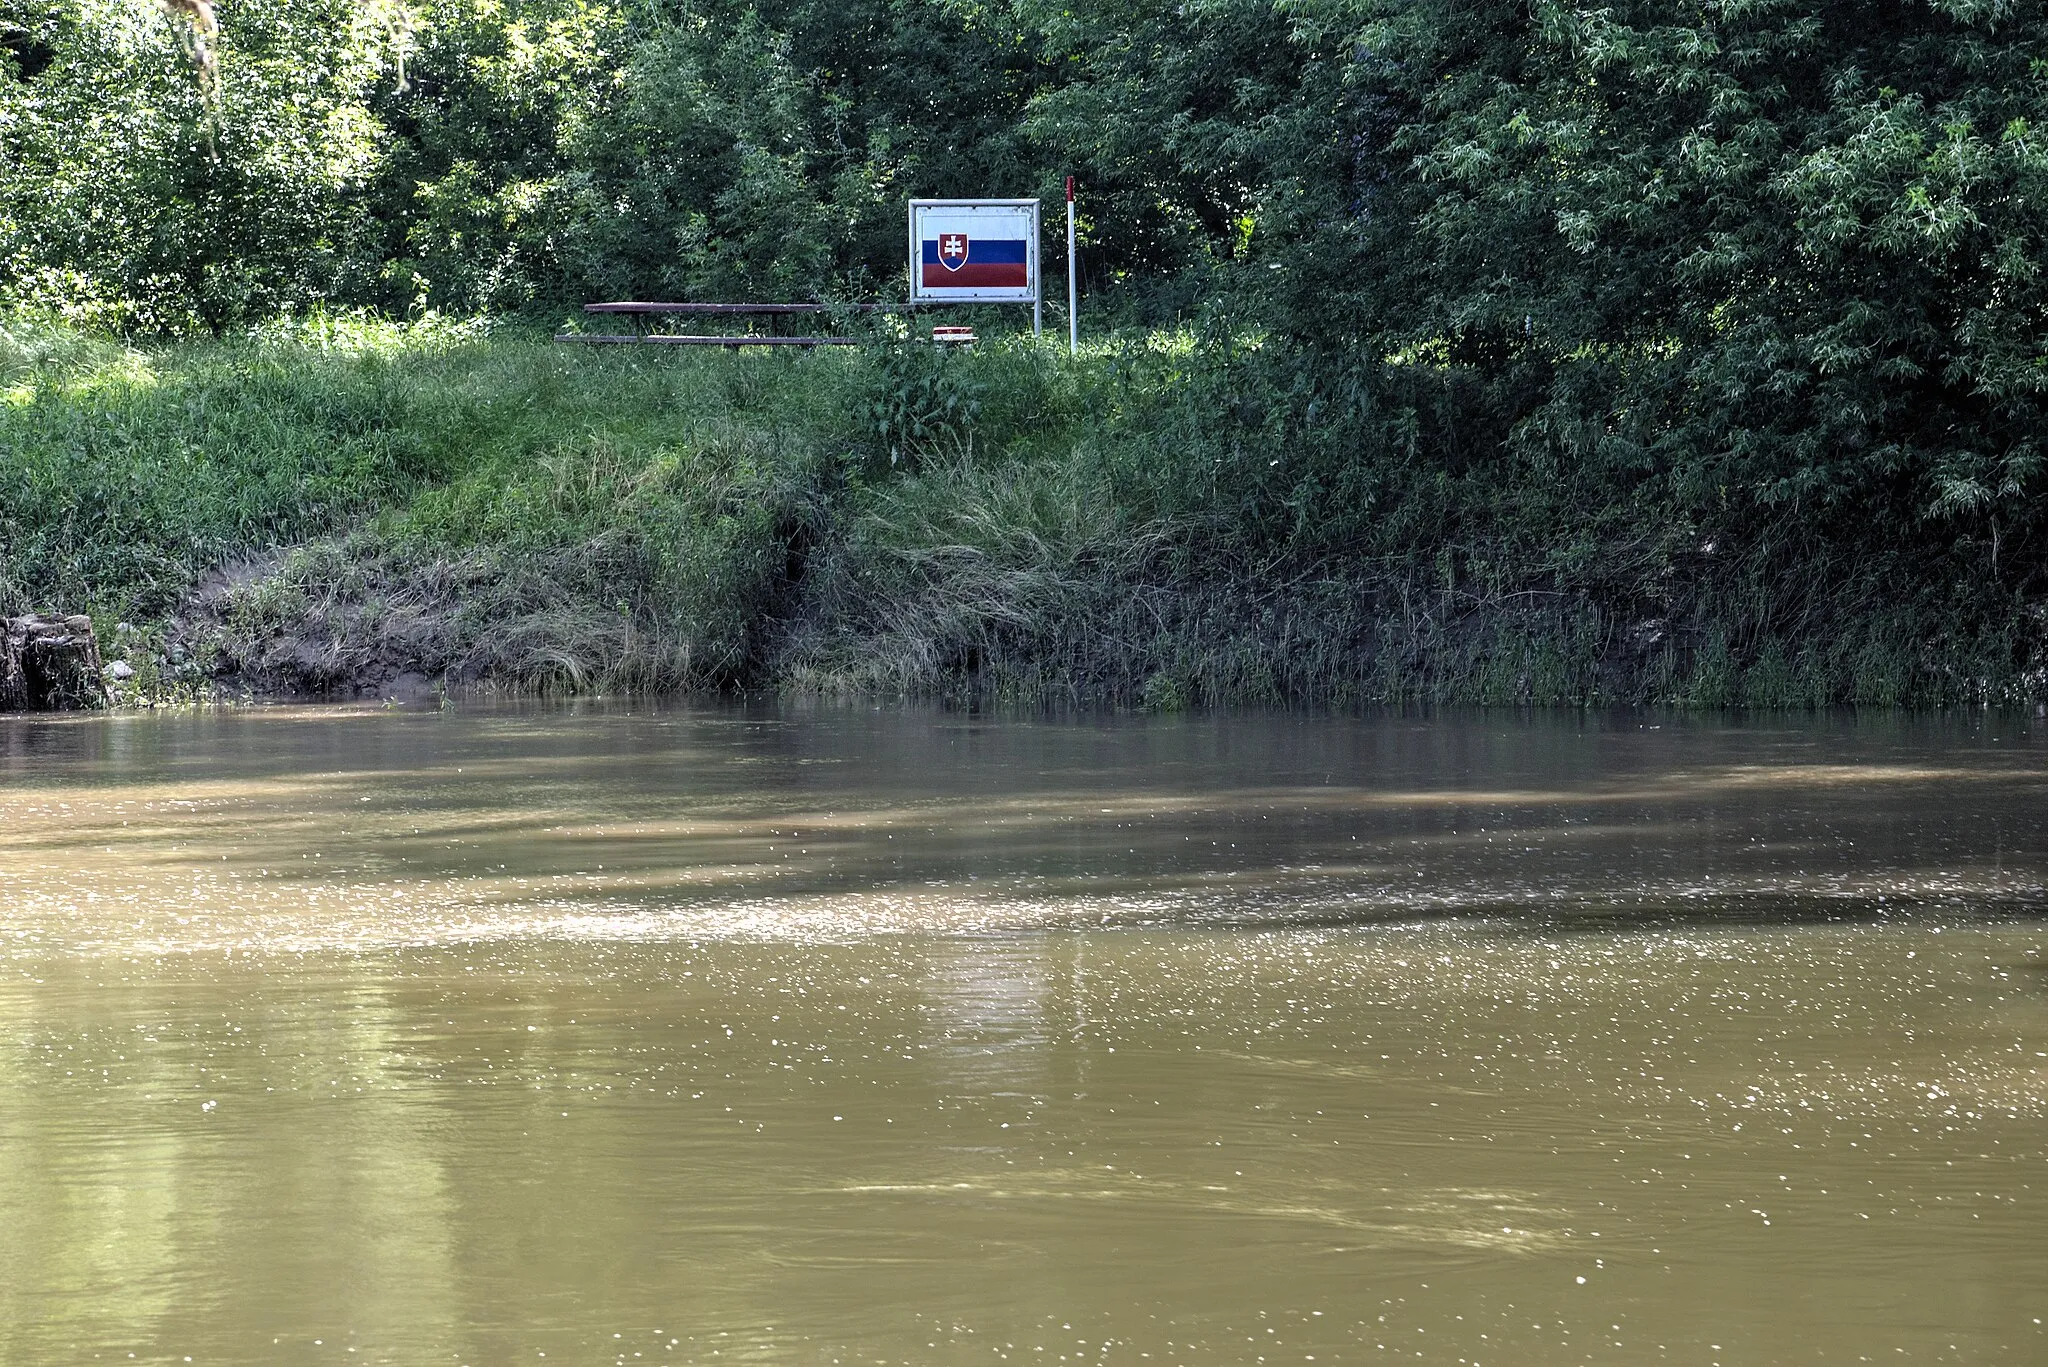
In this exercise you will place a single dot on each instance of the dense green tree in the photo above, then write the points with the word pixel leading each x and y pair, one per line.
pixel 128 194
pixel 1780 260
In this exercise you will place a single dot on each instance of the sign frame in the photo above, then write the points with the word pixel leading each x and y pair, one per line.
pixel 920 293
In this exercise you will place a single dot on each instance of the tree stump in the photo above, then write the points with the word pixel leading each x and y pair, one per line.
pixel 50 664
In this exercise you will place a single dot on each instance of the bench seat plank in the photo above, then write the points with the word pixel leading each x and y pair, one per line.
pixel 672 339
pixel 649 306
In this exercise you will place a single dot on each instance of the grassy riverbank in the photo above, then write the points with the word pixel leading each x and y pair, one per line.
pixel 1168 521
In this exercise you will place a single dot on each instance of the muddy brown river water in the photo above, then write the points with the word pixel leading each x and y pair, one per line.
pixel 610 1035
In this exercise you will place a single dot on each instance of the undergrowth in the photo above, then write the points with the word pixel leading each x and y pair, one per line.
pixel 1169 521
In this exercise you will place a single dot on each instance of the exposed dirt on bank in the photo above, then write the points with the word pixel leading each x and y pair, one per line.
pixel 347 619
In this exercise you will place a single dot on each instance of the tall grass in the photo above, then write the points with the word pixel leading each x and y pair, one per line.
pixel 1168 521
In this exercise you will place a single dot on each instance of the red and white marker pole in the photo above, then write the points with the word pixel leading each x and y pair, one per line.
pixel 1073 280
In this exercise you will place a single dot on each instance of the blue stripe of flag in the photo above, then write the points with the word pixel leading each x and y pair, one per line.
pixel 983 251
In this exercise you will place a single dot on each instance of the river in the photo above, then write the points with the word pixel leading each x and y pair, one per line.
pixel 617 1035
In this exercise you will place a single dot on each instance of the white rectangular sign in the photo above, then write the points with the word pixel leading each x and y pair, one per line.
pixel 974 250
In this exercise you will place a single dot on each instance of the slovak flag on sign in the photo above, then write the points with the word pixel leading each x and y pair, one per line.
pixel 974 251
pixel 956 260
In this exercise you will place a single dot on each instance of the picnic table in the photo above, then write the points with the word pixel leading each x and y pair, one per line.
pixel 638 311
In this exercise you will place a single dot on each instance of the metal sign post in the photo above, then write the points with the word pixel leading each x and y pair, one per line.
pixel 1073 281
pixel 976 251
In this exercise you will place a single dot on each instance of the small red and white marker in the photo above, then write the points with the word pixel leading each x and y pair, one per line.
pixel 954 334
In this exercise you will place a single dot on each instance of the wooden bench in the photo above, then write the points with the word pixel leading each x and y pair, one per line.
pixel 637 310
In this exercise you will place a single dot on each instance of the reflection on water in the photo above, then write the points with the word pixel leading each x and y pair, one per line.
pixel 305 830
pixel 898 1037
